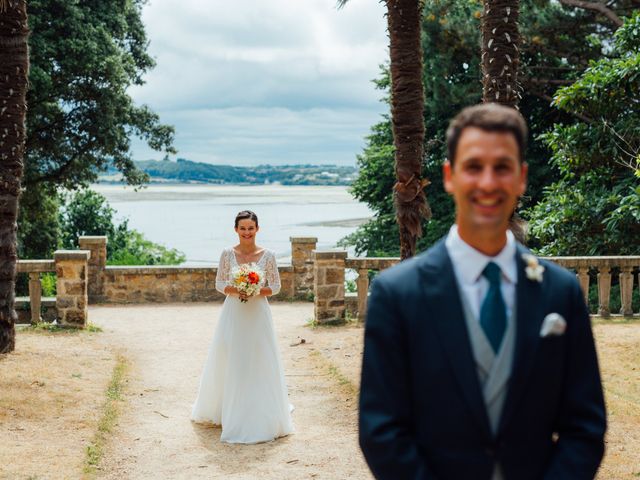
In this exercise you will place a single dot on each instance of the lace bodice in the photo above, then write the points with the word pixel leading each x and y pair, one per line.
pixel 267 262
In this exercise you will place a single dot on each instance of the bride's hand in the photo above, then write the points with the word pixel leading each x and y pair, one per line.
pixel 243 296
pixel 231 290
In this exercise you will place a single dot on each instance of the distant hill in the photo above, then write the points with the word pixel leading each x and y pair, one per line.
pixel 186 171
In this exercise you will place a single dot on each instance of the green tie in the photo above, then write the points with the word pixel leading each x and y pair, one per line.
pixel 493 312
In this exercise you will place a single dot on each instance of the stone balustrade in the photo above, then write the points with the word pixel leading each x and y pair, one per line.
pixel 34 268
pixel 142 284
pixel 331 303
pixel 83 277
pixel 362 266
pixel 71 302
pixel 605 266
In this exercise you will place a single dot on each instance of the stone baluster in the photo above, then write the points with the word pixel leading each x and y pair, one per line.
pixel 363 293
pixel 583 279
pixel 302 262
pixel 97 245
pixel 328 286
pixel 626 290
pixel 35 297
pixel 71 286
pixel 604 290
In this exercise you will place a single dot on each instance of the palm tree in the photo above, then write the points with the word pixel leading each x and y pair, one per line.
pixel 404 18
pixel 500 52
pixel 14 70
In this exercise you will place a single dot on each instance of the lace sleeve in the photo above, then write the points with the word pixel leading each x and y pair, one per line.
pixel 223 274
pixel 271 273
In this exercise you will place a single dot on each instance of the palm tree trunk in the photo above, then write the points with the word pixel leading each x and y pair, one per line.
pixel 14 70
pixel 500 52
pixel 500 64
pixel 407 107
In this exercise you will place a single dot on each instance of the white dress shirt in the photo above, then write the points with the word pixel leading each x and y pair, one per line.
pixel 468 264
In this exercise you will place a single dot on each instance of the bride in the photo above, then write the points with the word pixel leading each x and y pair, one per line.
pixel 242 386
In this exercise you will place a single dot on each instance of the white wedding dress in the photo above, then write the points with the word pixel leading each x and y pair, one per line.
pixel 242 386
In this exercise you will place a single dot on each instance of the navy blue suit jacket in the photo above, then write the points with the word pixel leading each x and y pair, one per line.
pixel 422 413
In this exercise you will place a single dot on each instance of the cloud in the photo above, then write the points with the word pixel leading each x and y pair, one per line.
pixel 277 136
pixel 287 78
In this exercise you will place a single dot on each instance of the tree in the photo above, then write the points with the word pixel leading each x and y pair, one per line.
pixel 407 105
pixel 500 52
pixel 14 70
pixel 84 58
pixel 594 208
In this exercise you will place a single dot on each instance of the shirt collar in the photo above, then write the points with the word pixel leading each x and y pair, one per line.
pixel 469 262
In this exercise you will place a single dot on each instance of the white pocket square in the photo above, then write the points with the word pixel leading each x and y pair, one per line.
pixel 553 324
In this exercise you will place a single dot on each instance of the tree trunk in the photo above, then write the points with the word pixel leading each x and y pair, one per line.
pixel 407 107
pixel 14 70
pixel 500 64
pixel 500 52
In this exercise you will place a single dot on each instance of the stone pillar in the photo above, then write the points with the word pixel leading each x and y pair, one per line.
pixel 97 245
pixel 363 293
pixel 35 297
pixel 301 259
pixel 71 285
pixel 604 290
pixel 626 290
pixel 328 286
pixel 583 279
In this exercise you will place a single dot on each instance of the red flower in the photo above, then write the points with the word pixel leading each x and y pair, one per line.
pixel 253 278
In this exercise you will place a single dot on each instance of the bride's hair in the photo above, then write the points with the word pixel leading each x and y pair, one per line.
pixel 246 215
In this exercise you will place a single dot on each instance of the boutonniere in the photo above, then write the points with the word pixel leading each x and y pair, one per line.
pixel 533 269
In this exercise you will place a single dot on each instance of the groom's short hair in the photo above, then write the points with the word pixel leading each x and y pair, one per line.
pixel 491 117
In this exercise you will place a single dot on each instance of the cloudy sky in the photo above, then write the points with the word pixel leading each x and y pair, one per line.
pixel 265 81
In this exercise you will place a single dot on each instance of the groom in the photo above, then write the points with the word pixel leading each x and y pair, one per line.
pixel 479 361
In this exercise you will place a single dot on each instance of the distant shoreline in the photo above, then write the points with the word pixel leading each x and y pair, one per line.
pixel 187 172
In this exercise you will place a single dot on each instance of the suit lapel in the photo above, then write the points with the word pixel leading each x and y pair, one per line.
pixel 448 318
pixel 529 316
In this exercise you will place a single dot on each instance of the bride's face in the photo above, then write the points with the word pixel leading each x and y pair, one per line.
pixel 247 230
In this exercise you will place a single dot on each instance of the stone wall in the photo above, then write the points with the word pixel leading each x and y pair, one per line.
pixel 167 284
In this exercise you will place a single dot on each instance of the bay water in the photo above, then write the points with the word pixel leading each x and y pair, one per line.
pixel 198 219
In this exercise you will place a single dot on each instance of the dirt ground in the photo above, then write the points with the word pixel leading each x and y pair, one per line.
pixel 51 390
pixel 51 393
pixel 167 346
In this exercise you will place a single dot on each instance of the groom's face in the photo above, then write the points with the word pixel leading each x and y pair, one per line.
pixel 486 179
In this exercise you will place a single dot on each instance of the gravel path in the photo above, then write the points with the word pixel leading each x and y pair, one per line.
pixel 166 346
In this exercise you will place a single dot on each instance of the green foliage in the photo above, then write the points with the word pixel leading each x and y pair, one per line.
pixel 48 282
pixel 47 327
pixel 132 248
pixel 557 45
pixel 84 58
pixel 594 209
pixel 38 223
pixel 88 213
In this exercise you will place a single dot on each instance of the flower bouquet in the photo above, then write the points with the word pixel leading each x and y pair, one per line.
pixel 248 279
